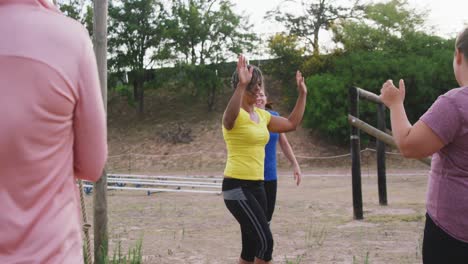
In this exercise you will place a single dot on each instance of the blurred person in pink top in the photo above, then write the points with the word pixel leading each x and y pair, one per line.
pixel 52 131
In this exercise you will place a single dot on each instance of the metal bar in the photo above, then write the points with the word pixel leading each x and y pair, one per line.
pixel 156 189
pixel 166 177
pixel 137 180
pixel 165 184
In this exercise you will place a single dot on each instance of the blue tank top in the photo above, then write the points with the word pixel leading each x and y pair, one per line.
pixel 270 154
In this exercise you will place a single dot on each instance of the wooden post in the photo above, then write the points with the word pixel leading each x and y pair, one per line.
pixel 355 155
pixel 381 174
pixel 100 187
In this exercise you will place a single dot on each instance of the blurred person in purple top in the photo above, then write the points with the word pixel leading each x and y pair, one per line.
pixel 443 133
pixel 52 131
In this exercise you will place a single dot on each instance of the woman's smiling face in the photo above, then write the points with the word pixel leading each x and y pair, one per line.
pixel 261 99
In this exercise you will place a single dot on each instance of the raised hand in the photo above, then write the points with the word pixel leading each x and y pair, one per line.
pixel 301 87
pixel 245 74
pixel 391 95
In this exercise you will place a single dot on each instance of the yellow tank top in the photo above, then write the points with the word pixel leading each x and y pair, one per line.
pixel 245 144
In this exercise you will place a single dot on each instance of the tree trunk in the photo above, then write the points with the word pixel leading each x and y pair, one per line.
pixel 100 188
pixel 135 89
pixel 316 43
pixel 211 97
pixel 138 89
pixel 141 93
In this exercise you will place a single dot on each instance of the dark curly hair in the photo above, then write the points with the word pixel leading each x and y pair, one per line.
pixel 256 77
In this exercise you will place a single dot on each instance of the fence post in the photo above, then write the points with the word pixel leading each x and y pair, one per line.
pixel 100 219
pixel 355 155
pixel 381 174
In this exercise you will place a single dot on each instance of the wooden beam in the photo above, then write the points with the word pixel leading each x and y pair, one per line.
pixel 369 96
pixel 101 241
pixel 382 136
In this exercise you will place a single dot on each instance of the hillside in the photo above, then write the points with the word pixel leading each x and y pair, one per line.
pixel 178 135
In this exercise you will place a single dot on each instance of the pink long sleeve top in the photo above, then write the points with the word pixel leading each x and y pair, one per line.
pixel 52 131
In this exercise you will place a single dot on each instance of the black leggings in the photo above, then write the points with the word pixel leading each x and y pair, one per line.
pixel 246 200
pixel 270 189
pixel 441 248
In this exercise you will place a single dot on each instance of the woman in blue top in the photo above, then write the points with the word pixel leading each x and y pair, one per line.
pixel 270 173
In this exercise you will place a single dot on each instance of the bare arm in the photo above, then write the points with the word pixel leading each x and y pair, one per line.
pixel 416 141
pixel 288 152
pixel 234 105
pixel 280 124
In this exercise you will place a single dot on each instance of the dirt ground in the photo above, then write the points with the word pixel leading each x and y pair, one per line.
pixel 313 223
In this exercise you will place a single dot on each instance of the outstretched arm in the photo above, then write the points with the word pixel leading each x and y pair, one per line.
pixel 416 141
pixel 288 152
pixel 234 105
pixel 280 124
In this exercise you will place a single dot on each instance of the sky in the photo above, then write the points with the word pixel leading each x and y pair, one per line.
pixel 447 16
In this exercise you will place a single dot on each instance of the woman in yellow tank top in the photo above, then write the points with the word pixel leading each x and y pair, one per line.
pixel 246 132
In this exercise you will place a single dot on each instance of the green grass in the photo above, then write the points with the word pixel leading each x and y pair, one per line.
pixel 395 218
pixel 133 256
pixel 298 260
pixel 366 259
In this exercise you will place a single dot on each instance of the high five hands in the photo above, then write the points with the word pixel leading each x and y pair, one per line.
pixel 245 74
pixel 391 95
pixel 301 87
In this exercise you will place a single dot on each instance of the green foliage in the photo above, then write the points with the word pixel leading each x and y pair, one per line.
pixel 288 58
pixel 326 106
pixel 145 33
pixel 81 11
pixel 395 16
pixel 71 9
pixel 427 73
pixel 206 31
pixel 137 34
pixel 288 54
pixel 206 77
pixel 385 46
pixel 384 25
pixel 317 15
pixel 125 91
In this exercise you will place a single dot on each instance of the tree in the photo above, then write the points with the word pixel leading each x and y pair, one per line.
pixel 318 14
pixel 383 25
pixel 137 34
pixel 204 34
pixel 208 31
pixel 288 57
pixel 81 11
pixel 388 43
